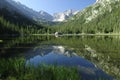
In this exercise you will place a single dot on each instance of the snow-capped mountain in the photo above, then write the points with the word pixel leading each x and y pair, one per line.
pixel 42 16
pixel 62 16
pixel 14 6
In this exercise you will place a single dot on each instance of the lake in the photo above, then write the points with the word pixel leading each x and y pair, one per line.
pixel 95 56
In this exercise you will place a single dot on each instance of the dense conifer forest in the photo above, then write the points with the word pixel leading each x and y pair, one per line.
pixel 15 23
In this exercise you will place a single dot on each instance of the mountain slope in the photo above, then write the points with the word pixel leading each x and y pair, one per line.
pixel 101 17
pixel 16 24
pixel 98 8
pixel 30 13
pixel 45 15
pixel 40 16
pixel 9 12
pixel 13 22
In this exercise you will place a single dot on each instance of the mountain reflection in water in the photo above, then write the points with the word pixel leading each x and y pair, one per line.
pixel 101 51
pixel 58 55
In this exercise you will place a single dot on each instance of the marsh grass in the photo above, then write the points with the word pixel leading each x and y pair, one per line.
pixel 1 41
pixel 16 69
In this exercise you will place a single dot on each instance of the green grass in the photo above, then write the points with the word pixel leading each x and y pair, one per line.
pixel 16 69
pixel 1 41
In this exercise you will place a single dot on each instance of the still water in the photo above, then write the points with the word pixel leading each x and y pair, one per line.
pixel 95 56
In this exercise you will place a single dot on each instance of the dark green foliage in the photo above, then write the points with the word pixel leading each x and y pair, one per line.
pixel 16 18
pixel 15 23
pixel 16 69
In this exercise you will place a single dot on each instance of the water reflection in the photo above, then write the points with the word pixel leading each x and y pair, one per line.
pixel 103 61
pixel 55 55
pixel 60 56
pixel 102 51
pixel 61 50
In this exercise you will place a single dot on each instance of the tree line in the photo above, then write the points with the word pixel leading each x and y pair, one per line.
pixel 108 22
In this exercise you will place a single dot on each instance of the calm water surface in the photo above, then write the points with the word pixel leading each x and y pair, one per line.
pixel 94 56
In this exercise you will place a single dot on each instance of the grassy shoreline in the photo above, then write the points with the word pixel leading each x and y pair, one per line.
pixel 16 69
pixel 101 34
pixel 82 34
pixel 1 41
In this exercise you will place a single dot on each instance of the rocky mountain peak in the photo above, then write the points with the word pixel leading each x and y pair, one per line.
pixel 62 16
pixel 93 11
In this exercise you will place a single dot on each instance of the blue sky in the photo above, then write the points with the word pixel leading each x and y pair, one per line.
pixel 53 6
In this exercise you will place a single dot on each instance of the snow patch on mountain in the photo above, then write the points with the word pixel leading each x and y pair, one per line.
pixel 62 16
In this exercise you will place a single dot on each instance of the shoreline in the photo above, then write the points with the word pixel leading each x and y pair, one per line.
pixel 114 34
pixel 76 35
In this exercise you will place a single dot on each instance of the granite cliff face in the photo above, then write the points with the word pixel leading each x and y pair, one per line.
pixel 93 11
